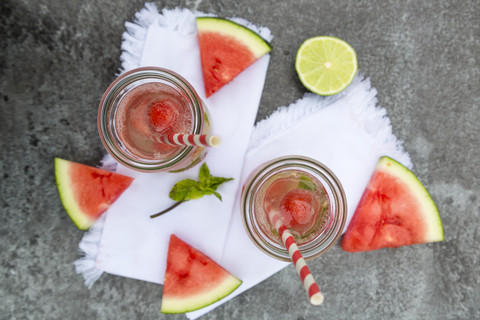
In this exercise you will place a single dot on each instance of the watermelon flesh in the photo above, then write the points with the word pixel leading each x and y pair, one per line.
pixel 226 49
pixel 395 210
pixel 87 192
pixel 193 280
pixel 298 208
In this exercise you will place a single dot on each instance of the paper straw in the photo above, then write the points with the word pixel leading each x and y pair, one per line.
pixel 309 283
pixel 201 140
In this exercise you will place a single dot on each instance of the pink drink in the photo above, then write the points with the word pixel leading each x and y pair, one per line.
pixel 297 193
pixel 299 200
pixel 144 106
pixel 146 113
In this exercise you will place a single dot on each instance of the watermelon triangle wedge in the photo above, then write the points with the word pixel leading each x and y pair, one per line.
pixel 193 280
pixel 226 49
pixel 87 192
pixel 394 210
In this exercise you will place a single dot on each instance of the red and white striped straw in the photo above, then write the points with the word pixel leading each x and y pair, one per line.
pixel 201 140
pixel 309 283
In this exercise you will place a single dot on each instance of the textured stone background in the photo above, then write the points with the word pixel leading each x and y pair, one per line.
pixel 56 59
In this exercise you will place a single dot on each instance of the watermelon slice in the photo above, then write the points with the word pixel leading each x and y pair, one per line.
pixel 226 49
pixel 193 280
pixel 395 210
pixel 87 192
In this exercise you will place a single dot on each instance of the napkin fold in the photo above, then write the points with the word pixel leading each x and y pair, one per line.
pixel 347 132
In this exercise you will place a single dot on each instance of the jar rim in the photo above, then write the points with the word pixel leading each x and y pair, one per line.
pixel 322 242
pixel 107 106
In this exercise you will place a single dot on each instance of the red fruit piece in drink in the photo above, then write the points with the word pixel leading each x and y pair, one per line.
pixel 297 208
pixel 275 192
pixel 162 115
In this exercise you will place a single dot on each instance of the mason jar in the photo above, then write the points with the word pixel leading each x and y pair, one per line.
pixel 266 191
pixel 139 107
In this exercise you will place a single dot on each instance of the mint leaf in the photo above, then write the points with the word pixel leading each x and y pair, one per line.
pixel 189 189
pixel 207 180
pixel 218 195
pixel 214 182
pixel 306 183
pixel 210 191
pixel 204 174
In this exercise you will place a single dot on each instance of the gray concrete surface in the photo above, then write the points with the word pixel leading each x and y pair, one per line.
pixel 56 59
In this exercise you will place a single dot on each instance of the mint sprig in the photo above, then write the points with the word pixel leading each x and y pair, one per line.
pixel 189 189
pixel 306 183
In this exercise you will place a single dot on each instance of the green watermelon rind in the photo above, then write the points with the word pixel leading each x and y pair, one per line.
pixel 429 209
pixel 248 37
pixel 67 197
pixel 201 300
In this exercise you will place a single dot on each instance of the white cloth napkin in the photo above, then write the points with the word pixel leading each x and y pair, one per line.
pixel 132 244
pixel 347 132
pixel 126 241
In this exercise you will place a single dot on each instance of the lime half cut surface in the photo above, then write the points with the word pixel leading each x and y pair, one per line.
pixel 326 65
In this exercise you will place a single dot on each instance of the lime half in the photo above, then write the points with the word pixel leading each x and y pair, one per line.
pixel 326 65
